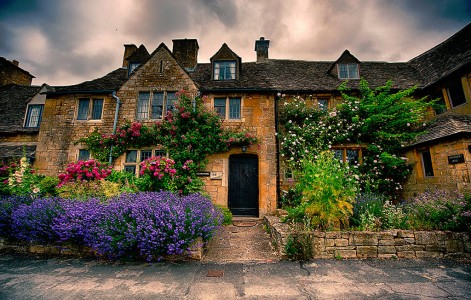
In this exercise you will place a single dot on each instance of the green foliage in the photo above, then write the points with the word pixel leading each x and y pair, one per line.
pixel 380 118
pixel 227 214
pixel 291 198
pixel 440 210
pixel 394 217
pixel 190 132
pixel 85 190
pixel 298 247
pixel 328 192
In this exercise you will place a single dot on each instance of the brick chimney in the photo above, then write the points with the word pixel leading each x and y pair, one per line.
pixel 186 52
pixel 261 46
pixel 129 49
pixel 15 62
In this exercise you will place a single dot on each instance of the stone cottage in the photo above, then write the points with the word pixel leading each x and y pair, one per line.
pixel 246 95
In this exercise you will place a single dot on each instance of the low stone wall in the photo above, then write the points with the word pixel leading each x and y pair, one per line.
pixel 383 244
pixel 195 251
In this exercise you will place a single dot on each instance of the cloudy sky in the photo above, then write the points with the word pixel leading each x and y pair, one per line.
pixel 64 42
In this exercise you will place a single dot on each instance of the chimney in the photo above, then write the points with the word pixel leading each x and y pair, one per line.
pixel 129 49
pixel 186 53
pixel 261 46
pixel 15 62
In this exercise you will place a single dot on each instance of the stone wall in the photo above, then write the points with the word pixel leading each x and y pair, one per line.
pixel 10 73
pixel 451 177
pixel 383 244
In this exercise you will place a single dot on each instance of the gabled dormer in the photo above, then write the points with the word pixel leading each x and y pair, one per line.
pixel 133 57
pixel 225 64
pixel 346 66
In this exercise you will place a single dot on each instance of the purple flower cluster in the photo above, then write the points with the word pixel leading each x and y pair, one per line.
pixel 8 204
pixel 147 225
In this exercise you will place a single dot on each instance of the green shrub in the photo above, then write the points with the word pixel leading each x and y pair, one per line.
pixel 227 214
pixel 298 247
pixel 393 217
pixel 290 198
pixel 328 193
pixel 367 211
pixel 84 190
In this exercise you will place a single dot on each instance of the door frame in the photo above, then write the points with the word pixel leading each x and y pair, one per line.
pixel 257 199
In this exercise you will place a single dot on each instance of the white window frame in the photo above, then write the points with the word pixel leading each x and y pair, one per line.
pixel 165 106
pixel 224 65
pixel 91 103
pixel 28 115
pixel 139 159
pixel 348 66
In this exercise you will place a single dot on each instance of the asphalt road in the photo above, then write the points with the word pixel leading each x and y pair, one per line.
pixel 29 277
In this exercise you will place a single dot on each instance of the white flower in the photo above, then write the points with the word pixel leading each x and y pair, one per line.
pixel 408 124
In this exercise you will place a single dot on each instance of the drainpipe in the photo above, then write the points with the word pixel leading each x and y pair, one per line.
pixel 115 123
pixel 277 158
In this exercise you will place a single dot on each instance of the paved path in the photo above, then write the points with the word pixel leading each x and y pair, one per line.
pixel 244 241
pixel 238 265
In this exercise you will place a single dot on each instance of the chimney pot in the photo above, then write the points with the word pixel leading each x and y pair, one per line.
pixel 261 47
pixel 15 62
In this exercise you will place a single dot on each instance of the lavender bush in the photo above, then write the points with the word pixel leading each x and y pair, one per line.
pixel 147 225
pixel 33 223
pixel 8 204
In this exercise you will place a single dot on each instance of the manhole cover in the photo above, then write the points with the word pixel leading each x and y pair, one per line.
pixel 215 273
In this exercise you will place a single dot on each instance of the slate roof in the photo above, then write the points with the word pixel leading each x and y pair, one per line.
pixel 16 150
pixel 13 102
pixel 303 76
pixel 445 58
pixel 106 84
pixel 447 124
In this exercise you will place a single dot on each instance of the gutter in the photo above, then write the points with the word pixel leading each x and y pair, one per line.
pixel 115 123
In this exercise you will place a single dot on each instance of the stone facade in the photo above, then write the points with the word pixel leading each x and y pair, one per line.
pixel 383 244
pixel 10 73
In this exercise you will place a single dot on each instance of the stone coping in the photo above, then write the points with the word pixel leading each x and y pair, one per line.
pixel 381 244
pixel 195 251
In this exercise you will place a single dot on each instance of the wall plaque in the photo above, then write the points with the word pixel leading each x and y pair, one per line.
pixel 456 159
pixel 203 174
pixel 216 175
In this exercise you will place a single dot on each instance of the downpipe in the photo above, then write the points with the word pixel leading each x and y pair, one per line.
pixel 115 123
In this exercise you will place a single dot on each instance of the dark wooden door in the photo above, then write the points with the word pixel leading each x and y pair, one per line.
pixel 243 185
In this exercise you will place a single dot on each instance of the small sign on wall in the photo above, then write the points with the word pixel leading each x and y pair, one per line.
pixel 216 175
pixel 456 159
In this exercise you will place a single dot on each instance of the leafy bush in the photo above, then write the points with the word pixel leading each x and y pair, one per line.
pixel 84 190
pixel 440 210
pixel 157 174
pixel 394 217
pixel 226 213
pixel 33 223
pixel 290 198
pixel 367 211
pixel 328 190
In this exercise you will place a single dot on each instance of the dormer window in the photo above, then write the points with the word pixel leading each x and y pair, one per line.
pixel 348 71
pixel 131 67
pixel 224 70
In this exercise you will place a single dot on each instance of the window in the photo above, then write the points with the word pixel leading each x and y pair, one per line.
pixel 289 174
pixel 132 66
pixel 427 166
pixel 228 107
pixel 456 93
pixel 348 71
pixel 224 70
pixel 83 154
pixel 322 103
pixel 351 155
pixel 440 106
pixel 34 114
pixel 135 157
pixel 90 109
pixel 152 104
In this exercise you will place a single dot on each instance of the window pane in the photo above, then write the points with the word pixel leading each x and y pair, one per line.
pixel 33 117
pixel 220 107
pixel 427 164
pixel 130 169
pixel 145 154
pixel 322 104
pixel 338 154
pixel 157 105
pixel 352 71
pixel 234 108
pixel 131 156
pixel 160 153
pixel 97 109
pixel 352 156
pixel 224 70
pixel 143 105
pixel 132 66
pixel 343 72
pixel 456 94
pixel 171 99
pixel 84 154
pixel 82 113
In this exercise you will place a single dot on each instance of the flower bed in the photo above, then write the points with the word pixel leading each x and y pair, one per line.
pixel 363 244
pixel 132 226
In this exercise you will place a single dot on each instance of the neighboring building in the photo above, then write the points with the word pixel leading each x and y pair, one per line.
pixel 245 94
pixel 11 73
